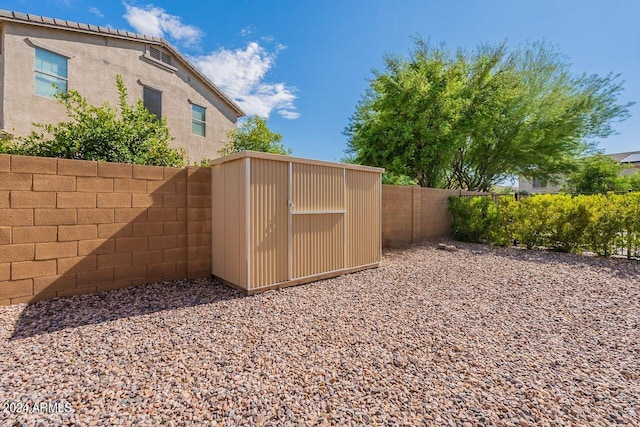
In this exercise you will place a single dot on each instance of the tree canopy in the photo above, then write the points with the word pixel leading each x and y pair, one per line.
pixel 600 174
pixel 470 120
pixel 254 134
pixel 127 134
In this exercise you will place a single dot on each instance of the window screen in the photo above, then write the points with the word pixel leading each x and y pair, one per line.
pixel 198 120
pixel 155 53
pixel 50 70
pixel 152 100
pixel 160 56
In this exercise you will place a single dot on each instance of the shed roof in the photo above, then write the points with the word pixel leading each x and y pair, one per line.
pixel 30 19
pixel 280 158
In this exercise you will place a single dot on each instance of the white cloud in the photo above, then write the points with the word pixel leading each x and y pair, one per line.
pixel 247 31
pixel 155 21
pixel 240 73
pixel 96 12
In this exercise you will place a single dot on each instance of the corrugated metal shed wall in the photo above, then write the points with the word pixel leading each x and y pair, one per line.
pixel 318 242
pixel 269 222
pixel 228 221
pixel 318 219
pixel 363 218
pixel 317 188
pixel 280 220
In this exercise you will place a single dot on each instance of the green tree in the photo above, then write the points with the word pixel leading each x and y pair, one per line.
pixel 127 134
pixel 471 120
pixel 634 181
pixel 254 134
pixel 597 174
pixel 409 120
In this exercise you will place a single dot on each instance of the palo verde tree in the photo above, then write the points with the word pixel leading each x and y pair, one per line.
pixel 254 134
pixel 127 134
pixel 459 120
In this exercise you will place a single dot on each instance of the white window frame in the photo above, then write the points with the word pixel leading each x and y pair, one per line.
pixel 37 72
pixel 203 122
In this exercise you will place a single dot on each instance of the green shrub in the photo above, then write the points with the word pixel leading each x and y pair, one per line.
pixel 569 218
pixel 473 218
pixel 605 223
pixel 601 223
pixel 501 232
pixel 128 134
pixel 629 217
pixel 533 221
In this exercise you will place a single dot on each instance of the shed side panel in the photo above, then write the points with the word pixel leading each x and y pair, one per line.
pixel 363 218
pixel 234 223
pixel 217 221
pixel 269 222
pixel 317 244
pixel 317 188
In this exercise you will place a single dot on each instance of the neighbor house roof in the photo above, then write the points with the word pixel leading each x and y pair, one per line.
pixel 30 19
pixel 633 158
pixel 624 157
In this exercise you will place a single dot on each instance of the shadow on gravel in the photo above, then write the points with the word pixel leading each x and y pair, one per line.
pixel 619 267
pixel 58 314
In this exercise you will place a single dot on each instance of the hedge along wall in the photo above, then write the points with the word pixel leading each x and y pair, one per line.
pixel 411 214
pixel 71 227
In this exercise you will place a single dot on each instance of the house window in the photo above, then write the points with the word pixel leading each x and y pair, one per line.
pixel 152 100
pixel 50 70
pixel 154 53
pixel 198 119
pixel 159 55
pixel 166 58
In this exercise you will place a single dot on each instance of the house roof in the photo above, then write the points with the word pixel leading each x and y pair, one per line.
pixel 30 19
pixel 633 158
pixel 623 157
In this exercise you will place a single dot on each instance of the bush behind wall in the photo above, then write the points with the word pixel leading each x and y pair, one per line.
pixel 602 223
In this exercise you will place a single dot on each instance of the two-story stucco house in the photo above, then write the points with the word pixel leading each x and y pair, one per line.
pixel 36 51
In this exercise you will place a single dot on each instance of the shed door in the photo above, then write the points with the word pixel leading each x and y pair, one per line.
pixel 316 219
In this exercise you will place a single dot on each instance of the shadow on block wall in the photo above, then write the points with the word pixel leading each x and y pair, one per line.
pixel 72 227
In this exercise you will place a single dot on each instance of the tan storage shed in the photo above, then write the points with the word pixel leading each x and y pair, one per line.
pixel 280 221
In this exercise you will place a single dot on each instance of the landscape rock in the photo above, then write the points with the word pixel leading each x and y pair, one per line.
pixel 481 336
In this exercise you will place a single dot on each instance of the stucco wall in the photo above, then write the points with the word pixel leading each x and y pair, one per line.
pixel 92 69
pixel 1 74
pixel 525 185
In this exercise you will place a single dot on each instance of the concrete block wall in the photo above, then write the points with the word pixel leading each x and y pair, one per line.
pixel 70 227
pixel 397 215
pixel 412 214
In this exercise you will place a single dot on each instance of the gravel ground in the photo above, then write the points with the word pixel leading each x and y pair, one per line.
pixel 478 336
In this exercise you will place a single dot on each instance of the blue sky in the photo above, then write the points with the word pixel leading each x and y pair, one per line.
pixel 306 63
